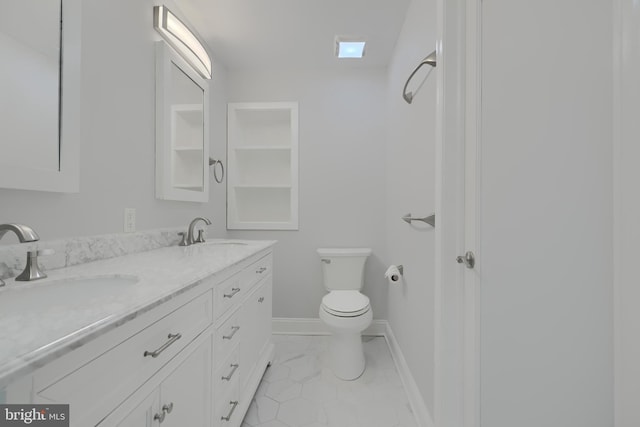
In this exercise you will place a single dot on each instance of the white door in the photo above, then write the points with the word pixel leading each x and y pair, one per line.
pixel 544 215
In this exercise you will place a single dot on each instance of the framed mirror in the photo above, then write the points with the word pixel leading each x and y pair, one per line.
pixel 40 102
pixel 182 129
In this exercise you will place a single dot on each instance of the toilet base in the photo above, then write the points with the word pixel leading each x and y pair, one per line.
pixel 346 355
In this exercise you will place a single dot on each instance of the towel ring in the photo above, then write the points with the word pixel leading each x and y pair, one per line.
pixel 214 163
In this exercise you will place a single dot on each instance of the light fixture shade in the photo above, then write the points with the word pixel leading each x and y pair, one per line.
pixel 350 47
pixel 180 37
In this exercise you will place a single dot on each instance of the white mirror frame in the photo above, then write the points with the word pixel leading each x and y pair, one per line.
pixel 67 179
pixel 165 56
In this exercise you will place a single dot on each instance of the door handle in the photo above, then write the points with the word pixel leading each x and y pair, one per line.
pixel 469 259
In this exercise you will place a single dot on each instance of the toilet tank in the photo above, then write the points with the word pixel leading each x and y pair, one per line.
pixel 343 268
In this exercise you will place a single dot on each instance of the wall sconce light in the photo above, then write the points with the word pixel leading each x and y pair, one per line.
pixel 180 37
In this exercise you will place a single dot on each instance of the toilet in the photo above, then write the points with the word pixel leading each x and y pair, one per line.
pixel 344 310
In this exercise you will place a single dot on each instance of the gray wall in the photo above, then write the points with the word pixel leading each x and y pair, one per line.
pixel 410 182
pixel 117 164
pixel 342 188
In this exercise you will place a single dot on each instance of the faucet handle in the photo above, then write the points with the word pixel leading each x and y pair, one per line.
pixel 183 241
pixel 200 238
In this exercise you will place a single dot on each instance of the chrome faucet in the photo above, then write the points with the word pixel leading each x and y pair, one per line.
pixel 189 239
pixel 26 234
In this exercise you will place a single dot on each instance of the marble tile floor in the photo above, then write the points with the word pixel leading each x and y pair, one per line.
pixel 299 389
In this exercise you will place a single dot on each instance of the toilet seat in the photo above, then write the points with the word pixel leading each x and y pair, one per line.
pixel 345 303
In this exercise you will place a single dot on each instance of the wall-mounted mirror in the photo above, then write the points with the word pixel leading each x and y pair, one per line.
pixel 40 87
pixel 182 129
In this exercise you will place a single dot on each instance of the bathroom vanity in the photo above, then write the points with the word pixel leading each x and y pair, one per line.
pixel 183 340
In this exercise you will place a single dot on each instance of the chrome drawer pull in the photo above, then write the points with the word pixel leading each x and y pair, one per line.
pixel 261 270
pixel 234 329
pixel 233 408
pixel 166 409
pixel 172 338
pixel 233 371
pixel 234 291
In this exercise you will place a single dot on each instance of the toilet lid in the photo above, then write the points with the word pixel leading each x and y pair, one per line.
pixel 345 303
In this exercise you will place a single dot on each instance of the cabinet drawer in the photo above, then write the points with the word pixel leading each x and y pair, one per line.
pixel 228 294
pixel 226 411
pixel 107 379
pixel 227 338
pixel 256 271
pixel 226 376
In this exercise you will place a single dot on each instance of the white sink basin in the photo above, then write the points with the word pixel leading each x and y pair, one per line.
pixel 77 292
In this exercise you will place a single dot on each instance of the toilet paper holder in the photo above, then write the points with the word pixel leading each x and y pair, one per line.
pixel 389 274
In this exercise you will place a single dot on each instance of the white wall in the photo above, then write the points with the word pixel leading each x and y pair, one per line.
pixel 118 142
pixel 627 211
pixel 341 166
pixel 545 253
pixel 410 186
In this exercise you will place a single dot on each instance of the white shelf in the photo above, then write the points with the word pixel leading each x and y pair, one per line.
pixel 182 129
pixel 262 184
pixel 263 148
pixel 263 167
pixel 259 206
pixel 189 187
pixel 194 150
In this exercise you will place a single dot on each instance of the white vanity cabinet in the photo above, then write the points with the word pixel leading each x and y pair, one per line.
pixel 242 346
pixel 182 399
pixel 194 360
pixel 255 317
pixel 97 377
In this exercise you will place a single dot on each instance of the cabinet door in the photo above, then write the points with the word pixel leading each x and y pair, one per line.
pixel 256 324
pixel 185 396
pixel 142 415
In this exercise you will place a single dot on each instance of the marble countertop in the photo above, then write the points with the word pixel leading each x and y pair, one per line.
pixel 33 335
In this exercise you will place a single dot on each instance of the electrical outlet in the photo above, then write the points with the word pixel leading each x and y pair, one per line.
pixel 129 220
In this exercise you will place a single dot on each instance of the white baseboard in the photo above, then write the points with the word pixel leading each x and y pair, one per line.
pixel 309 326
pixel 420 410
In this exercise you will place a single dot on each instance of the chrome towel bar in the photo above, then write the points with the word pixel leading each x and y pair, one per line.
pixel 429 60
pixel 431 219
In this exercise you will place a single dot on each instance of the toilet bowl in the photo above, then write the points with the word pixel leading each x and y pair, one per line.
pixel 344 310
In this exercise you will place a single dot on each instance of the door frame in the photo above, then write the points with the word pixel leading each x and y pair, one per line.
pixel 458 133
